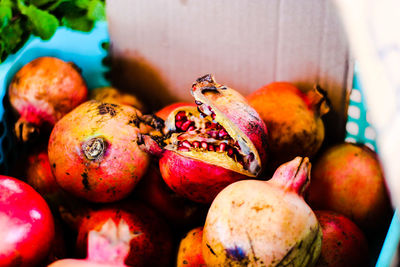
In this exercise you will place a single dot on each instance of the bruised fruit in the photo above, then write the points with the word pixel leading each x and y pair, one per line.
pixel 26 223
pixel 343 243
pixel 165 111
pixel 152 242
pixel 42 92
pixel 210 146
pixel 264 223
pixel 189 252
pixel 94 154
pixel 107 247
pixel 348 179
pixel 112 95
pixel 178 210
pixel 293 119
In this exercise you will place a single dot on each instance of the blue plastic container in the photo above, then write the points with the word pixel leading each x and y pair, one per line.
pixel 88 52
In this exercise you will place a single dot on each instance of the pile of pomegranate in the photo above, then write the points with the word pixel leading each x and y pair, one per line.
pixel 223 181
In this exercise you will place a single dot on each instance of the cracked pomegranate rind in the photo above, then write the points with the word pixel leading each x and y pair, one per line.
pixel 208 147
pixel 223 125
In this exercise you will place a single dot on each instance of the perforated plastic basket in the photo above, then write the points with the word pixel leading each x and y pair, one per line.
pixel 87 51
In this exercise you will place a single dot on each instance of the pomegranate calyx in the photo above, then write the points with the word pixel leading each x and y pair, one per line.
pixel 94 148
pixel 293 175
pixel 318 100
pixel 25 131
pixel 111 244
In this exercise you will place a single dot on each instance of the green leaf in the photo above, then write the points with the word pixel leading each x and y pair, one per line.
pixel 83 4
pixel 43 23
pixel 79 23
pixel 12 35
pixel 96 10
pixel 40 2
pixel 5 12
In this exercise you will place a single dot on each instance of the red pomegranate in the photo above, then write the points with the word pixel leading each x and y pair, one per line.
pixel 107 247
pixel 152 242
pixel 94 154
pixel 38 174
pixel 42 92
pixel 343 243
pixel 206 148
pixel 26 222
pixel 178 210
pixel 348 179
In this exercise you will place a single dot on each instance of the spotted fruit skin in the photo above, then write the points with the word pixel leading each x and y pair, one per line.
pixel 113 95
pixel 189 252
pixel 343 243
pixel 42 92
pixel 194 179
pixel 293 119
pixel 263 223
pixel 26 222
pixel 348 179
pixel 152 242
pixel 94 154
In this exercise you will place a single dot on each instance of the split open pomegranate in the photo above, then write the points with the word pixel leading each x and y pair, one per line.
pixel 207 147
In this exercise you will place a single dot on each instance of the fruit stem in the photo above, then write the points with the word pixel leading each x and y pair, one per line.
pixel 318 101
pixel 293 175
pixel 25 131
pixel 94 148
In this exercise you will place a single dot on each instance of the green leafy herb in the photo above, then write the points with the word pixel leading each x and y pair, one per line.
pixel 21 18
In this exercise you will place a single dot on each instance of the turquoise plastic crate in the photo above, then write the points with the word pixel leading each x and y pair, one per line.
pixel 87 51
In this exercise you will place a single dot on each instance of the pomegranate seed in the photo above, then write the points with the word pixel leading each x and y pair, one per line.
pixel 178 124
pixel 230 152
pixel 204 145
pixel 182 148
pixel 222 147
pixel 180 115
pixel 222 133
pixel 211 147
pixel 213 134
pixel 186 144
pixel 208 124
pixel 186 125
pixel 191 128
pixel 196 144
pixel 213 116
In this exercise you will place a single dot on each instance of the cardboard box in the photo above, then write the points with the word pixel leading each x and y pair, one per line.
pixel 160 47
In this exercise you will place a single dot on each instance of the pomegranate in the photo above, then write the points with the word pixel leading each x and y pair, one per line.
pixel 343 243
pixel 189 252
pixel 152 245
pixel 42 92
pixel 263 223
pixel 165 111
pixel 107 247
pixel 181 212
pixel 348 179
pixel 293 119
pixel 206 148
pixel 26 222
pixel 94 154
pixel 40 177
pixel 112 95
